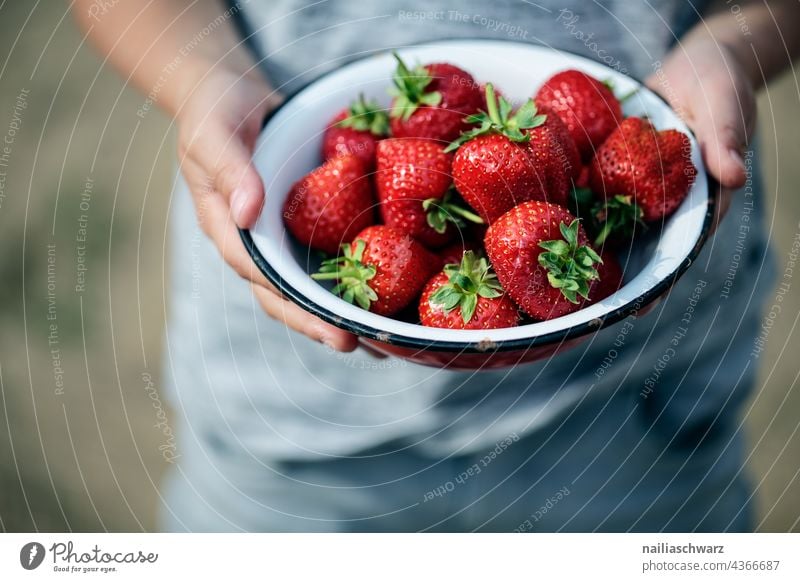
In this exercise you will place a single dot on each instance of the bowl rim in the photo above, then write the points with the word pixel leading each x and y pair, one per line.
pixel 367 331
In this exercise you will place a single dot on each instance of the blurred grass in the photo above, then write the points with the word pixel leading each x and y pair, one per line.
pixel 88 459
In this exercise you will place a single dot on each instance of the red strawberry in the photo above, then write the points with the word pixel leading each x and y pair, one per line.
pixel 356 130
pixel 582 181
pixel 542 258
pixel 330 205
pixel 511 159
pixel 587 106
pixel 466 296
pixel 382 270
pixel 413 182
pixel 432 101
pixel 652 167
pixel 492 174
pixel 609 280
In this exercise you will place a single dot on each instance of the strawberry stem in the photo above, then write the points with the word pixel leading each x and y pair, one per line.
pixel 569 267
pixel 440 211
pixel 491 105
pixel 466 283
pixel 625 96
pixel 351 273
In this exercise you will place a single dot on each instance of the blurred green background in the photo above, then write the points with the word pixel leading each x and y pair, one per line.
pixel 84 195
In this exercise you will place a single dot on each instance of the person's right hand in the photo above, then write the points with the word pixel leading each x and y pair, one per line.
pixel 217 129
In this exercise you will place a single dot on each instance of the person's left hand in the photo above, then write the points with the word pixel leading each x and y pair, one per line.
pixel 708 87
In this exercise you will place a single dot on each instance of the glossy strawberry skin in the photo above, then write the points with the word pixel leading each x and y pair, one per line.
pixel 328 206
pixel 408 172
pixel 337 140
pixel 654 167
pixel 402 264
pixel 587 107
pixel 512 245
pixel 495 313
pixel 493 174
pixel 461 96
pixel 555 158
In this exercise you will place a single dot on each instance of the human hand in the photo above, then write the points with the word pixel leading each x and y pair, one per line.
pixel 217 131
pixel 704 82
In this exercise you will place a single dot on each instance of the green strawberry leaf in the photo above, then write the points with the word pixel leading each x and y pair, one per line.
pixel 468 305
pixel 619 216
pixel 410 91
pixel 364 115
pixel 351 274
pixel 569 266
pixel 498 119
pixel 441 211
pixel 467 281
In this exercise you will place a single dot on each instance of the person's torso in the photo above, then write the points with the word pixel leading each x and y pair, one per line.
pixel 286 396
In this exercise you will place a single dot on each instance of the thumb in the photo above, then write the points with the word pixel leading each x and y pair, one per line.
pixel 226 157
pixel 722 136
pixel 721 116
pixel 246 193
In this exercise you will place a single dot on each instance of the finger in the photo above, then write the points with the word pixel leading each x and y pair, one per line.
pixel 721 118
pixel 224 155
pixel 722 139
pixel 303 322
pixel 215 220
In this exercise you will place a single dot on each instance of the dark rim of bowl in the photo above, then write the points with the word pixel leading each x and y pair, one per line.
pixel 574 331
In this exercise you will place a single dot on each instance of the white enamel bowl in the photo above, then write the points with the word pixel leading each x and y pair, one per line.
pixel 289 147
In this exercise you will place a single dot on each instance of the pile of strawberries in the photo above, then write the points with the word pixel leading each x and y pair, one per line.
pixel 487 215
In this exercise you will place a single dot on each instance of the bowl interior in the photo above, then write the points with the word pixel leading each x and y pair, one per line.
pixel 290 145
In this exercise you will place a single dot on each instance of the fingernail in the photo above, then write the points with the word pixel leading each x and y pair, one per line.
pixel 238 202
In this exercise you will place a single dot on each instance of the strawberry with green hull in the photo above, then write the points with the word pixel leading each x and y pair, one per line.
pixel 542 258
pixel 587 107
pixel 432 101
pixel 330 205
pixel 651 168
pixel 356 131
pixel 616 221
pixel 511 158
pixel 612 223
pixel 466 295
pixel 413 184
pixel 383 270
